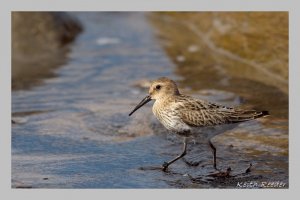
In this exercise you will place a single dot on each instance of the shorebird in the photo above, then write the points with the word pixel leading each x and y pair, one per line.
pixel 187 116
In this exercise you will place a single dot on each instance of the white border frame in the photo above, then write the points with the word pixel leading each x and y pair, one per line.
pixel 148 5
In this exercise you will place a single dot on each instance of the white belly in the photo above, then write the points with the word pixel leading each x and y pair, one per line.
pixel 172 122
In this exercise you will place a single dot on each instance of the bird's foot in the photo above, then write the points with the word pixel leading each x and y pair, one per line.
pixel 217 169
pixel 165 166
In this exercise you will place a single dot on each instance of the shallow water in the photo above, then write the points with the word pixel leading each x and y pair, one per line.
pixel 73 131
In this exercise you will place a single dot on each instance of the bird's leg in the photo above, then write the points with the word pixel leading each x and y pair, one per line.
pixel 214 151
pixel 166 164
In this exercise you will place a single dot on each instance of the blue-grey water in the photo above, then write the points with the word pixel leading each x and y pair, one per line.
pixel 73 131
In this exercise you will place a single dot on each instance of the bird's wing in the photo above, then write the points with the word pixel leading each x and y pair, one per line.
pixel 245 115
pixel 195 112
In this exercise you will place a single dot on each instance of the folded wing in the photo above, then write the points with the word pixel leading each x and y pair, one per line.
pixel 200 113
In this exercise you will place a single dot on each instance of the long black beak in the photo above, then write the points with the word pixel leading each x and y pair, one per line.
pixel 143 102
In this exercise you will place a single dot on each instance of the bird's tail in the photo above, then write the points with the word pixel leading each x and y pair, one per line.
pixel 241 116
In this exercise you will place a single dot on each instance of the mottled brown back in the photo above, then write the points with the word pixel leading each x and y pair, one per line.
pixel 199 113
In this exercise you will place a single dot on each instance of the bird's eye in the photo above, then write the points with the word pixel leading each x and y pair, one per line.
pixel 158 87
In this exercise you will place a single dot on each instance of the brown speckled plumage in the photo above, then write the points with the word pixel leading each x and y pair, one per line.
pixel 178 112
pixel 181 114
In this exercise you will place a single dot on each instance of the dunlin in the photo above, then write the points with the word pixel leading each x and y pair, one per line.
pixel 185 115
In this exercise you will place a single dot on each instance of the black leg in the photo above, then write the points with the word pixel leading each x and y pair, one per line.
pixel 214 151
pixel 166 164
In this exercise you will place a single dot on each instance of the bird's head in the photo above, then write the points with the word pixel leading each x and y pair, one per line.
pixel 160 88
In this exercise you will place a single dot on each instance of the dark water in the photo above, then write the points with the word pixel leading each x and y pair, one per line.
pixel 73 131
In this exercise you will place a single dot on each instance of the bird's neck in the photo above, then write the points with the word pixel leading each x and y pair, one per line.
pixel 165 100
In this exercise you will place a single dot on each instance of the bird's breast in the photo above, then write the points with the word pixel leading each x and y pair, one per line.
pixel 169 118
